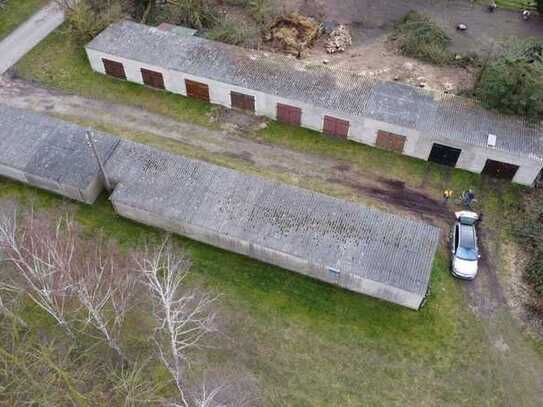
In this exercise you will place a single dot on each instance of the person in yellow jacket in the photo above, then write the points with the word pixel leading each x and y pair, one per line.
pixel 447 194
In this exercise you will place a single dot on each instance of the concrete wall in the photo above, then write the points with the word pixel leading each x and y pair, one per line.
pixel 363 130
pixel 345 280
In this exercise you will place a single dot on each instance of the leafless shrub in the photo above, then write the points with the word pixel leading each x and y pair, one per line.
pixel 133 387
pixel 60 267
pixel 183 316
pixel 105 283
pixel 43 256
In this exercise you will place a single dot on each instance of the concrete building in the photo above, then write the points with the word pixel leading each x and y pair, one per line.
pixel 364 250
pixel 360 249
pixel 431 126
pixel 51 154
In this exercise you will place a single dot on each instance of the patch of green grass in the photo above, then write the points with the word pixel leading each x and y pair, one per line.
pixel 322 345
pixel 16 12
pixel 516 4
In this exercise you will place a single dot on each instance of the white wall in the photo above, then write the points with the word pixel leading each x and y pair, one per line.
pixel 363 130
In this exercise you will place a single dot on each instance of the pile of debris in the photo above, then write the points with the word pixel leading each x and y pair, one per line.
pixel 339 39
pixel 293 33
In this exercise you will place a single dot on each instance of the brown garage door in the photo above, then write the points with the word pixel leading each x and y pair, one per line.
pixel 498 169
pixel 197 90
pixel 335 127
pixel 242 101
pixel 152 78
pixel 114 68
pixel 289 114
pixel 390 141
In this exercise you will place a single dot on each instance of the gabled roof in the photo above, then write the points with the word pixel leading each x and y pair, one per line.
pixel 442 116
pixel 359 242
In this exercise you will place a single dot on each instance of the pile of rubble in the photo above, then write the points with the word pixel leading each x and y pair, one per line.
pixel 339 39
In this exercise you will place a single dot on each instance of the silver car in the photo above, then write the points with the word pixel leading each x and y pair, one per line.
pixel 465 253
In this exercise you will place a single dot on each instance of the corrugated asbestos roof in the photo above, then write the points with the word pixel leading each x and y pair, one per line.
pixel 49 148
pixel 442 116
pixel 323 230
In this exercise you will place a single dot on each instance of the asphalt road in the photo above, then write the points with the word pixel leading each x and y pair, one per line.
pixel 29 34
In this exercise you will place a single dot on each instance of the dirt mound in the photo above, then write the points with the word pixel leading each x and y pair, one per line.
pixel 293 33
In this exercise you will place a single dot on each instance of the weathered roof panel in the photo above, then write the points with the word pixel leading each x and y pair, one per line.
pixel 51 149
pixel 326 231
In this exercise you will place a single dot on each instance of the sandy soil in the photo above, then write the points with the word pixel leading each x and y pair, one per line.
pixel 376 58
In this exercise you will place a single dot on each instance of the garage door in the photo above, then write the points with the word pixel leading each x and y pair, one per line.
pixel 336 127
pixel 197 90
pixel 498 169
pixel 390 141
pixel 152 78
pixel 444 155
pixel 289 114
pixel 114 68
pixel 242 101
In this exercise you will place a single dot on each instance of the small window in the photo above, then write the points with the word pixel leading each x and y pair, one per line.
pixel 114 68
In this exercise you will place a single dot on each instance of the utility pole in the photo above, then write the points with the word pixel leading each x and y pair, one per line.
pixel 90 142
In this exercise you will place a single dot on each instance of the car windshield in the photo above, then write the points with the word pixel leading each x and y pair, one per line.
pixel 466 254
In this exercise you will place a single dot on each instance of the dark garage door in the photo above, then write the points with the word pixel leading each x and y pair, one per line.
pixel 114 68
pixel 498 169
pixel 242 101
pixel 152 78
pixel 444 155
pixel 390 141
pixel 289 114
pixel 197 90
pixel 335 127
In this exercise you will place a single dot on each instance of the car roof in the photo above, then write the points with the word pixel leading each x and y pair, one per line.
pixel 467 236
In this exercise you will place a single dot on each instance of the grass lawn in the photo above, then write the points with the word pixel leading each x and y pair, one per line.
pixel 517 4
pixel 310 344
pixel 16 12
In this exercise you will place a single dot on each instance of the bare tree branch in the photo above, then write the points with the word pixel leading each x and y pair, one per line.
pixel 43 259
pixel 105 285
pixel 183 316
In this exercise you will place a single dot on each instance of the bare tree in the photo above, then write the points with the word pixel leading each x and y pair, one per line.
pixel 105 285
pixel 184 316
pixel 60 267
pixel 43 257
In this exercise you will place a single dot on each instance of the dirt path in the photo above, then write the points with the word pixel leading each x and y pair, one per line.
pixel 367 188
